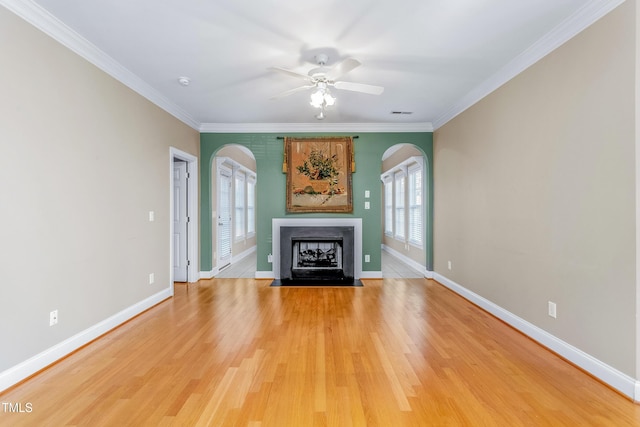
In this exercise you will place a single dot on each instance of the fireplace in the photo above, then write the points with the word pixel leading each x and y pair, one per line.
pixel 317 254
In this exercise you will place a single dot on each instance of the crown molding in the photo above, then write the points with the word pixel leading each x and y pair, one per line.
pixel 56 29
pixel 313 127
pixel 570 27
pixel 52 26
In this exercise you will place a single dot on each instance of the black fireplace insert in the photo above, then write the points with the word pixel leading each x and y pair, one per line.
pixel 317 254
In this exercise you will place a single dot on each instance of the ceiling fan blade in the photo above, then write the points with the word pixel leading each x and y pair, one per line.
pixel 291 91
pixel 291 73
pixel 342 68
pixel 359 87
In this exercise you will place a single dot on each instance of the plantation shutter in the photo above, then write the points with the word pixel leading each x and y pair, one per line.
pixel 415 205
pixel 224 216
pixel 399 178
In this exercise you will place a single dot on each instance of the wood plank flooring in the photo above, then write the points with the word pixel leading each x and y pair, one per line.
pixel 236 352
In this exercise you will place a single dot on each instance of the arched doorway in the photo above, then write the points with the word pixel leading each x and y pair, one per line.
pixel 233 199
pixel 404 212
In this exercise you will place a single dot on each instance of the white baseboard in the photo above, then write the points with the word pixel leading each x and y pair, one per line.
pixel 208 274
pixel 410 262
pixel 371 275
pixel 234 258
pixel 265 275
pixel 609 375
pixel 40 361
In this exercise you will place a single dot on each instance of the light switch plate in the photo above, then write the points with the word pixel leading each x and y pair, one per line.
pixel 367 194
pixel 367 205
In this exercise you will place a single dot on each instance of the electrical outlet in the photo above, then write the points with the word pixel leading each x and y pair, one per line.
pixel 152 216
pixel 152 278
pixel 552 309
pixel 53 317
pixel 367 205
pixel 449 265
pixel 367 258
pixel 270 258
pixel 367 194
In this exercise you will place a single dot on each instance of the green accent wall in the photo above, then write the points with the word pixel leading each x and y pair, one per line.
pixel 271 182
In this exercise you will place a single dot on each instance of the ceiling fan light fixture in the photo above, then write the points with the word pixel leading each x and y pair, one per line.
pixel 317 98
pixel 328 99
pixel 322 98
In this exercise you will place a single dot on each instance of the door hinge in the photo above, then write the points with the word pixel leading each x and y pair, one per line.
pixel 188 262
pixel 188 219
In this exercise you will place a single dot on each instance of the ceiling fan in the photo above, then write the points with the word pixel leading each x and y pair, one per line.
pixel 322 78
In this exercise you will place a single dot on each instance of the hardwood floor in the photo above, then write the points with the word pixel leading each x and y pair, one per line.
pixel 396 352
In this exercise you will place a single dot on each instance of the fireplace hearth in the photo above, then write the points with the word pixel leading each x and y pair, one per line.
pixel 317 255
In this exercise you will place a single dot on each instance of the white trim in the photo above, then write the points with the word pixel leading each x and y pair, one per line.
pixel 410 262
pixel 264 275
pixel 356 223
pixel 611 376
pixel 371 275
pixel 40 361
pixel 209 274
pixel 59 31
pixel 567 29
pixel 313 127
pixel 214 272
pixel 193 274
pixel 52 26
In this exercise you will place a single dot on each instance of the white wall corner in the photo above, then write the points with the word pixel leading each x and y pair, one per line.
pixel 609 375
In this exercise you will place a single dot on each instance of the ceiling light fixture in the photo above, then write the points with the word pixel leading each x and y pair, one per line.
pixel 322 98
pixel 184 81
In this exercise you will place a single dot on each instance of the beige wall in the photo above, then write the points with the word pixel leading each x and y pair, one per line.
pixel 535 193
pixel 410 251
pixel 84 161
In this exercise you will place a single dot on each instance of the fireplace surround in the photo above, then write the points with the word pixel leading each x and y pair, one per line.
pixel 322 242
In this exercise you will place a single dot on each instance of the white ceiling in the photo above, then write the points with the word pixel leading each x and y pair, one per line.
pixel 434 57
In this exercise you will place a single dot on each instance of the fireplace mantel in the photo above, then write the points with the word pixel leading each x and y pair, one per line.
pixel 356 223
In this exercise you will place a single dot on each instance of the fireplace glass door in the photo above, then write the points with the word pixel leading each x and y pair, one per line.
pixel 317 255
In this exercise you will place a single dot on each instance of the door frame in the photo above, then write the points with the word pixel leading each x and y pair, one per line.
pixel 193 274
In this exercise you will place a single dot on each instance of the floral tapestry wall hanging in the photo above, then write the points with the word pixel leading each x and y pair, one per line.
pixel 319 174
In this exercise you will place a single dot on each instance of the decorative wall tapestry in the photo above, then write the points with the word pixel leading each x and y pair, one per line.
pixel 319 174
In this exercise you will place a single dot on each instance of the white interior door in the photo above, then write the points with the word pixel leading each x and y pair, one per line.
pixel 224 217
pixel 180 222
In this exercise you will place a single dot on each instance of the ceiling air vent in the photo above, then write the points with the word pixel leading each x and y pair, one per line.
pixel 401 112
